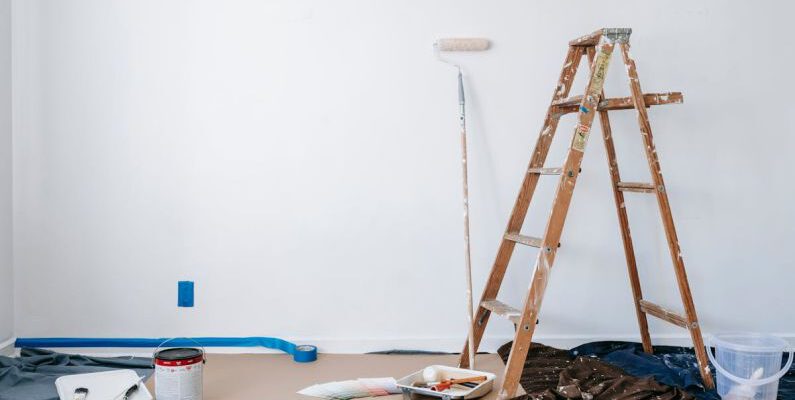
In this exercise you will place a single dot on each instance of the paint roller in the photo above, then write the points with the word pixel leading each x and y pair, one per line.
pixel 461 45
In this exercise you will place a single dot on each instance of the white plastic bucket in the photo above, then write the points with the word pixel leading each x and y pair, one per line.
pixel 748 365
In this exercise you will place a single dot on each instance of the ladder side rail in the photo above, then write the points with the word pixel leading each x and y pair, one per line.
pixel 623 221
pixel 526 191
pixel 554 228
pixel 667 218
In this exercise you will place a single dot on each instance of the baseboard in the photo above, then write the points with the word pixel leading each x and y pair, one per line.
pixel 7 347
pixel 443 344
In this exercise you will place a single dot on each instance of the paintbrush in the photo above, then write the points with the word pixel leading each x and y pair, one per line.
pixel 130 391
pixel 447 383
pixel 80 393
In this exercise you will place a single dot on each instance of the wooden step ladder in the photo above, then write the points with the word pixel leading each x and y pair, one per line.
pixel 598 46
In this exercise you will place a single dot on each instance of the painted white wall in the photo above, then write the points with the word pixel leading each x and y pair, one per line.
pixel 299 160
pixel 6 266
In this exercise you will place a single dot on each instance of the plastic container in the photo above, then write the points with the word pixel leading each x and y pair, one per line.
pixel 748 365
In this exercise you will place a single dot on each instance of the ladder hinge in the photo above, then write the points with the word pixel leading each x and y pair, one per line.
pixel 617 35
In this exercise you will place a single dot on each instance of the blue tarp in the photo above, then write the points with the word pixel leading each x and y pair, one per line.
pixel 671 365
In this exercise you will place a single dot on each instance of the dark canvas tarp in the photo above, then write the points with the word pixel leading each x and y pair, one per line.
pixel 553 374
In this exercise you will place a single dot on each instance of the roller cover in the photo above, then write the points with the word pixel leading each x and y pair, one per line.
pixel 463 44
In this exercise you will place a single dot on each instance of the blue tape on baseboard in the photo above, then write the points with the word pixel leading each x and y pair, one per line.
pixel 300 353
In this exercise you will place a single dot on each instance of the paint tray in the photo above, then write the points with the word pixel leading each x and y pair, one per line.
pixel 102 385
pixel 455 392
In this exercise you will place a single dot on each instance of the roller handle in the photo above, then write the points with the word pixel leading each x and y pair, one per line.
pixel 461 99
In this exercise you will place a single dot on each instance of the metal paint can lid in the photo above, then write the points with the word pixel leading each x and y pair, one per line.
pixel 178 354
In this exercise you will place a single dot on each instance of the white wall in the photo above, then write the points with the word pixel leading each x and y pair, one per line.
pixel 6 266
pixel 299 160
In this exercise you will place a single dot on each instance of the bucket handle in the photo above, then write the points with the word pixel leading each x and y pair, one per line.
pixel 204 352
pixel 744 381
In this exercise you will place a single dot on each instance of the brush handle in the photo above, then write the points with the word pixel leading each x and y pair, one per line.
pixel 465 380
pixel 130 390
pixel 445 384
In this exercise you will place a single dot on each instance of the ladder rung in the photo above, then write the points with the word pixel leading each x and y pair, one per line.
pixel 636 187
pixel 572 101
pixel 650 99
pixel 502 309
pixel 525 240
pixel 545 171
pixel 572 104
pixel 663 314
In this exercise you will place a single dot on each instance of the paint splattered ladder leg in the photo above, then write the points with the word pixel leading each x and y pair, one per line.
pixel 522 203
pixel 690 321
pixel 623 220
pixel 554 227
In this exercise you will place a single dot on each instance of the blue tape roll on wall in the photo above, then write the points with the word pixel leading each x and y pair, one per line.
pixel 300 353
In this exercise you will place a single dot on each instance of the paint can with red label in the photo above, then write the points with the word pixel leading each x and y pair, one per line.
pixel 178 373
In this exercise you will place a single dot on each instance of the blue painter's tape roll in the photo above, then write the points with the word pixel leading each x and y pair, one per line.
pixel 305 353
pixel 300 353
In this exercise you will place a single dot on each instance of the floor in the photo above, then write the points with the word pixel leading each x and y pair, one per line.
pixel 276 376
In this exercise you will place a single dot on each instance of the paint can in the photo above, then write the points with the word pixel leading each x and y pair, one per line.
pixel 178 373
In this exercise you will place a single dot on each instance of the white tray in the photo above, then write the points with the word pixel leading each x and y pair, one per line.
pixel 456 392
pixel 102 385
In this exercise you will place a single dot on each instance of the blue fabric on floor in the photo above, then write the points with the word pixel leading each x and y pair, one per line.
pixel 671 365
pixel 32 375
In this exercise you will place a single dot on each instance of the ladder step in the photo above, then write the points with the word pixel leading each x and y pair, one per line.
pixel 502 309
pixel 566 102
pixel 545 171
pixel 591 39
pixel 636 187
pixel 525 240
pixel 572 104
pixel 663 314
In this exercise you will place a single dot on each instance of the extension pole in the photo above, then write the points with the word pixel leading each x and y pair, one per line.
pixel 467 253
pixel 464 44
